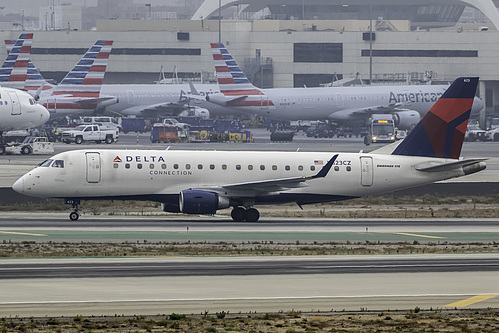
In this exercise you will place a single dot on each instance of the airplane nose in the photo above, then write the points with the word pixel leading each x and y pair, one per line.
pixel 45 115
pixel 19 185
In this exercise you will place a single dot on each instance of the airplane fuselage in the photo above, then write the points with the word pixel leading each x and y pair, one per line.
pixel 162 175
pixel 18 110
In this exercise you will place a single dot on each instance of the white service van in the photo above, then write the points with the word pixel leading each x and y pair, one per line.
pixel 103 121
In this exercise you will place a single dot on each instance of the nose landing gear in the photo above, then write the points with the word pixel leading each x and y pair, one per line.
pixel 240 214
pixel 74 215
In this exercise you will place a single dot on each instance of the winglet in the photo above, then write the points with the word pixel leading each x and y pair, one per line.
pixel 441 131
pixel 325 169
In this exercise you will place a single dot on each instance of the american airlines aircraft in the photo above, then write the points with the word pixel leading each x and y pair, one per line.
pixel 123 99
pixel 202 182
pixel 78 93
pixel 18 111
pixel 346 105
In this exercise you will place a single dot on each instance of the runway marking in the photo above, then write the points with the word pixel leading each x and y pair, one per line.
pixel 471 300
pixel 22 233
pixel 408 234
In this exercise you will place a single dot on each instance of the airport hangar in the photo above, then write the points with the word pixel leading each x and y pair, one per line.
pixel 286 51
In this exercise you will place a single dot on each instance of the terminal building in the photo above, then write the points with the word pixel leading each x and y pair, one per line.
pixel 303 43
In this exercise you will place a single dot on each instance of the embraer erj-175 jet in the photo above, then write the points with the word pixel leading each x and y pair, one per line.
pixel 122 99
pixel 202 182
pixel 78 93
pixel 346 105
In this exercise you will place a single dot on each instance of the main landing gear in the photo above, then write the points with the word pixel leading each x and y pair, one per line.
pixel 240 214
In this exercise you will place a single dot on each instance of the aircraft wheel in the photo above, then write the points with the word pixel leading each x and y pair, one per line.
pixel 238 214
pixel 74 216
pixel 252 215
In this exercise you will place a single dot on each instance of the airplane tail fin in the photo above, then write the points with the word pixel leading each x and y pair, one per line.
pixel 86 77
pixel 14 71
pixel 441 131
pixel 231 79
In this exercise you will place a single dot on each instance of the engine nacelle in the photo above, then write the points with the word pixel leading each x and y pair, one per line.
pixel 107 102
pixel 196 111
pixel 201 202
pixel 406 119
pixel 218 99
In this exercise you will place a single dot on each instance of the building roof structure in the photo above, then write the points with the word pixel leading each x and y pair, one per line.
pixel 424 14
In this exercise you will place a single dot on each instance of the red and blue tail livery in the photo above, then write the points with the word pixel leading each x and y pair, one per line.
pixel 14 71
pixel 441 131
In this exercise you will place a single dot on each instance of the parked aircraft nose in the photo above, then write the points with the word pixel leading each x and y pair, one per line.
pixel 44 114
pixel 19 185
pixel 478 105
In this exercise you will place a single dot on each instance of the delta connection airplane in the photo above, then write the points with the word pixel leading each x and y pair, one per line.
pixel 202 182
pixel 346 105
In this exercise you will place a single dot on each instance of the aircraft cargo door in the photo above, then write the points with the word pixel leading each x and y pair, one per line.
pixel 366 177
pixel 93 167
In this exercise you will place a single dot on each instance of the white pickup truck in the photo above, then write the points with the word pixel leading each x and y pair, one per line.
pixel 83 133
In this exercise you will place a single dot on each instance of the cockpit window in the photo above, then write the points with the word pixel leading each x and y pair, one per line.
pixel 46 163
pixel 58 164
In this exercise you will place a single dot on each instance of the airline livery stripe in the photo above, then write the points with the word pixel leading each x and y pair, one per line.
pixel 248 92
pixel 222 68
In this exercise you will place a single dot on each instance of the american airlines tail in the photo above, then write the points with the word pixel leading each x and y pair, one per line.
pixel 235 87
pixel 35 79
pixel 85 79
pixel 441 131
pixel 14 71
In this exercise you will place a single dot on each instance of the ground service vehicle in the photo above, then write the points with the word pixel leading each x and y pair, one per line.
pixel 89 133
pixel 133 125
pixel 31 145
pixel 381 128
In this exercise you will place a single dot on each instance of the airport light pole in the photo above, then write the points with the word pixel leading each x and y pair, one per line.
pixel 371 43
pixel 219 21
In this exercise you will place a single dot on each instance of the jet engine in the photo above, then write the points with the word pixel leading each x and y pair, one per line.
pixel 196 111
pixel 108 102
pixel 218 99
pixel 201 202
pixel 406 119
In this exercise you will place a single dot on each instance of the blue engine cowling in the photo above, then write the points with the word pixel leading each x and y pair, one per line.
pixel 201 202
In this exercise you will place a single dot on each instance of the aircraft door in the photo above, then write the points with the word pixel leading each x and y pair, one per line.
pixel 93 167
pixel 264 102
pixel 366 176
pixel 340 102
pixel 14 103
pixel 130 96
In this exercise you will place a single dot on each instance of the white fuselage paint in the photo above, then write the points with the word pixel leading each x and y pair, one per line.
pixel 343 103
pixel 163 172
pixel 19 111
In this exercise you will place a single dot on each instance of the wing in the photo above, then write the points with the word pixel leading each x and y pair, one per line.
pixel 249 189
pixel 356 113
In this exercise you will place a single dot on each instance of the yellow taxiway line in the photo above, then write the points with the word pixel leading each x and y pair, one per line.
pixel 471 300
pixel 21 233
pixel 407 234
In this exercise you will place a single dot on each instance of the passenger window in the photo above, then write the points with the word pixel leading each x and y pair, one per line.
pixel 336 168
pixel 139 166
pixel 300 168
pixel 224 167
pixel 200 166
pixel 312 168
pixel 274 167
pixel 163 166
pixel 262 167
pixel 175 166
pixel 88 129
pixel 287 168
pixel 151 166
pixel 115 165
pixel 58 164
pixel 250 167
pixel 1 103
pixel 127 166
pixel 187 166
pixel 212 166
pixel 238 167
pixel 349 168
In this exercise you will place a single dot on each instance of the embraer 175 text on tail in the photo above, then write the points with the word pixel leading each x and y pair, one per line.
pixel 202 182
pixel 347 105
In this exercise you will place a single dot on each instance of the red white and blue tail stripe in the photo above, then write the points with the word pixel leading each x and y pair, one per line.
pixel 441 131
pixel 85 79
pixel 231 79
pixel 14 71
pixel 35 79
